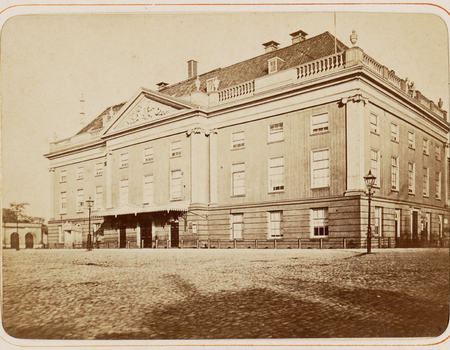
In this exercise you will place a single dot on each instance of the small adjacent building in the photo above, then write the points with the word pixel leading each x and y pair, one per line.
pixel 23 236
pixel 268 152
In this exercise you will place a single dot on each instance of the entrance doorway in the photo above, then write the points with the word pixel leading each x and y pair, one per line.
pixel 14 240
pixel 174 234
pixel 123 237
pixel 29 241
pixel 146 237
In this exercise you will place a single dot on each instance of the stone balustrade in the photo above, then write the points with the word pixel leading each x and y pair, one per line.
pixel 237 90
pixel 325 64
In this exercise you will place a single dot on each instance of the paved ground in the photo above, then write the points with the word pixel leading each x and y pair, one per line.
pixel 225 294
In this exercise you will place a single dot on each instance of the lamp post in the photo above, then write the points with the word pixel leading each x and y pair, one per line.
pixel 370 181
pixel 17 211
pixel 89 204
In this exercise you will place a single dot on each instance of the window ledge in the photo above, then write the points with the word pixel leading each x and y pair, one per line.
pixel 277 141
pixel 123 167
pixel 175 199
pixel 150 161
pixel 238 195
pixel 320 187
pixel 412 148
pixel 375 133
pixel 319 237
pixel 80 178
pixel 319 133
pixel 274 192
pixel 237 148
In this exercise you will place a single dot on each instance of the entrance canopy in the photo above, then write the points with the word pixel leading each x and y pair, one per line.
pixel 179 206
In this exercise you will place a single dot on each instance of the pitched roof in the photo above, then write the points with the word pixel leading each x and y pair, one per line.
pixel 97 123
pixel 294 55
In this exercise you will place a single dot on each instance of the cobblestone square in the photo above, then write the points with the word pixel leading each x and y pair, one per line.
pixel 225 294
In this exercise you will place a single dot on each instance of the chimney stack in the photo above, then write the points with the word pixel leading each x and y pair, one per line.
pixel 271 46
pixel 298 36
pixel 192 69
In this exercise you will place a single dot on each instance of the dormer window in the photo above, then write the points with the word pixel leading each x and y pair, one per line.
pixel 212 85
pixel 274 64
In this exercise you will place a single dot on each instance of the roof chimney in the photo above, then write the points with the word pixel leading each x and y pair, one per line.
pixel 192 69
pixel 298 36
pixel 161 85
pixel 271 46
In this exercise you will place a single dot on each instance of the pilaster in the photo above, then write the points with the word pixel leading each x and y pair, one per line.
pixel 356 141
pixel 52 193
pixel 108 180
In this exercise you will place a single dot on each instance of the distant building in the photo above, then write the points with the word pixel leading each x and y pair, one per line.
pixel 267 152
pixel 23 235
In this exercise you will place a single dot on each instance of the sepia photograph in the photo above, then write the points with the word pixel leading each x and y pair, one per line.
pixel 225 176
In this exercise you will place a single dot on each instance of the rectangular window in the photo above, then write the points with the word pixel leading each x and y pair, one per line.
pixel 272 65
pixel 124 160
pixel 275 230
pixel 237 226
pixel 148 189
pixel 378 221
pixel 425 182
pixel 320 168
pixel 99 198
pixel 63 202
pixel 438 185
pixel 238 179
pixel 98 169
pixel 175 184
pixel 394 132
pixel 61 234
pixel 63 177
pixel 411 140
pixel 375 166
pixel 80 201
pixel 394 174
pixel 438 152
pixel 276 174
pixel 411 178
pixel 374 124
pixel 319 123
pixel 237 140
pixel 276 132
pixel 80 173
pixel 425 147
pixel 123 194
pixel 148 155
pixel 175 149
pixel 320 222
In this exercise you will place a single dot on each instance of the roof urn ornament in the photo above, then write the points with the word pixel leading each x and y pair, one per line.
pixel 440 103
pixel 353 37
pixel 197 83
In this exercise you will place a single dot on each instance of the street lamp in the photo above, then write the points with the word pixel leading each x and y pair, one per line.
pixel 89 204
pixel 370 181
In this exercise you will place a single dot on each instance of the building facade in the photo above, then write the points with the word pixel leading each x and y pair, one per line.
pixel 268 152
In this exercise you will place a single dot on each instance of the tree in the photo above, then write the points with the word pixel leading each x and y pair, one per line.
pixel 16 212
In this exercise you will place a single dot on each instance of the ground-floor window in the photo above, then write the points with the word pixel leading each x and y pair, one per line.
pixel 237 225
pixel 275 218
pixel 378 221
pixel 320 222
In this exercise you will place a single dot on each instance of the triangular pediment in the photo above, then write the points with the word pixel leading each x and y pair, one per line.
pixel 145 107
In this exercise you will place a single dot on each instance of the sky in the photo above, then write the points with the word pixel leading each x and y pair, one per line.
pixel 48 61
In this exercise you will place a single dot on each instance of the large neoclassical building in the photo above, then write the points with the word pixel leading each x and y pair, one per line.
pixel 268 152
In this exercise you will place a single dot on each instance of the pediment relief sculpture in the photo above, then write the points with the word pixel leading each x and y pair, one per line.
pixel 146 110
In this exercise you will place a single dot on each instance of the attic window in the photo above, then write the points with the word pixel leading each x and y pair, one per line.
pixel 212 84
pixel 274 64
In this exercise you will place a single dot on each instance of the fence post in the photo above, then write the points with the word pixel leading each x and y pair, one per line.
pixel 344 243
pixel 209 243
pixel 198 244
pixel 107 244
pixel 235 243
pixel 219 244
pixel 299 243
pixel 256 244
pixel 320 243
pixel 156 243
pixel 379 242
pixel 389 242
pixel 275 243
pixel 182 243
